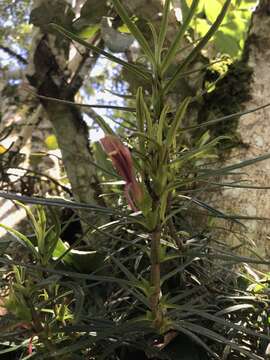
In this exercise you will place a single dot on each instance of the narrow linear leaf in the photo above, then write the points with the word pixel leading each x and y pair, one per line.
pixel 21 238
pixel 124 269
pixel 177 270
pixel 58 202
pixel 170 56
pixel 134 30
pixel 217 337
pixel 155 38
pixel 161 123
pixel 177 121
pixel 140 117
pixel 163 27
pixel 239 186
pixel 133 281
pixel 196 339
pixel 133 68
pixel 31 216
pixel 227 323
pixel 199 69
pixel 170 84
pixel 12 348
pixel 224 118
pixel 71 274
pixel 226 169
pixel 188 155
pixel 212 210
pixel 144 136
pixel 144 121
pixel 97 106
pixel 103 125
pixel 235 308
pixel 79 299
pixel 185 294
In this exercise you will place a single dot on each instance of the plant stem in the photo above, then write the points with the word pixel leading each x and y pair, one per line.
pixel 155 278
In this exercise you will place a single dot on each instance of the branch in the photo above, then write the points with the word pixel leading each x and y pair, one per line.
pixel 83 68
pixel 12 53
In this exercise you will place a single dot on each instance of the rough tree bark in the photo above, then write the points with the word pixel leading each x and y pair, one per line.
pixel 49 73
pixel 255 133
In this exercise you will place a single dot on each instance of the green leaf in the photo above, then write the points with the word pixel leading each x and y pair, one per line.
pixel 135 31
pixel 163 28
pixel 229 168
pixel 51 241
pixel 125 270
pixel 224 118
pixel 212 210
pixel 139 71
pixel 87 32
pixel 170 55
pixel 62 249
pixel 12 348
pixel 71 274
pixel 229 324
pixel 226 44
pixel 144 119
pixel 173 130
pixel 31 216
pixel 83 261
pixel 103 125
pixel 171 83
pixel 62 203
pixel 176 270
pixel 41 230
pixel 203 331
pixel 162 121
pixel 86 261
pixel 123 29
pixel 212 9
pixel 196 340
pixel 17 306
pixel 235 308
pixel 90 106
pixel 21 239
pixel 155 38
pixel 145 136
pixel 140 117
pixel 79 296
pixel 198 152
pixel 102 162
pixel 237 185
pixel 39 225
pixel 133 281
pixel 202 26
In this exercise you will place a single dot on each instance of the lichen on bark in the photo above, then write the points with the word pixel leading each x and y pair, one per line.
pixel 48 72
pixel 254 132
pixel 229 96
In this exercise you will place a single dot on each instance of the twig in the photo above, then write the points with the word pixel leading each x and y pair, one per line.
pixel 13 54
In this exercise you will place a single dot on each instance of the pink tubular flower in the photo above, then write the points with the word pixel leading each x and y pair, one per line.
pixel 30 346
pixel 122 161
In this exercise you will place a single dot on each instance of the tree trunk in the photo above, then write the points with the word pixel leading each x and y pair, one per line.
pixel 255 133
pixel 49 72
